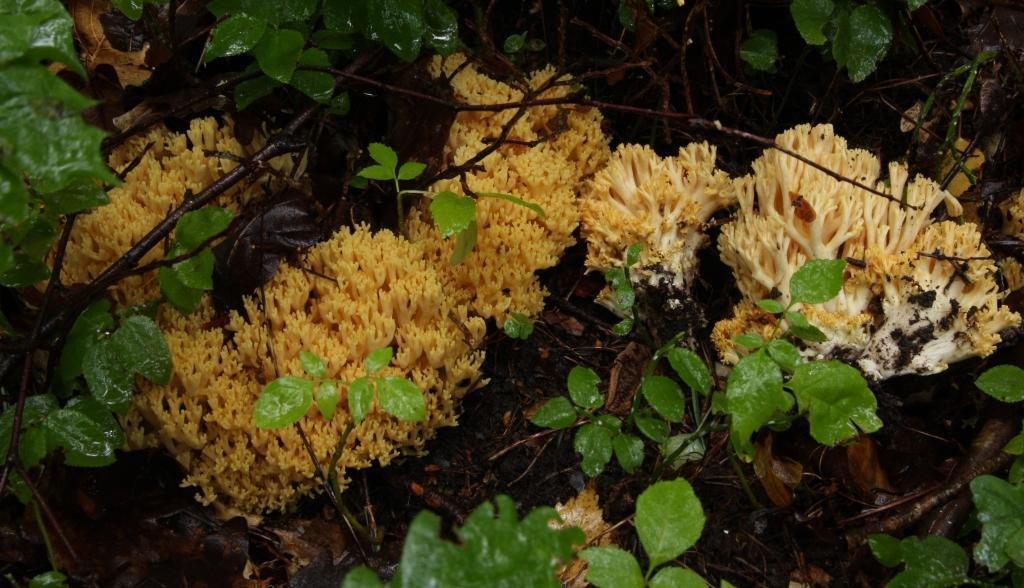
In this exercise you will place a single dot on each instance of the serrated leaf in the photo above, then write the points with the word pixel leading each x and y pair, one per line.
pixel 669 520
pixel 749 340
pixel 691 369
pixel 817 281
pixel 933 561
pixel 197 226
pixel 141 347
pixel 772 306
pixel 1001 513
pixel 1002 382
pixel 377 172
pixel 401 398
pixel 673 577
pixel 810 17
pixel 181 297
pixel 38 30
pixel 800 328
pixel 754 396
pixel 665 397
pixel 378 359
pixel 611 567
pixel 87 431
pixel 312 364
pixel 465 241
pixel 629 451
pixel 784 353
pixel 837 400
pixel 196 272
pixel 384 156
pixel 411 170
pixel 594 443
pixel 862 39
pixel 556 413
pixel 283 402
pixel 360 398
pixel 235 35
pixel 761 50
pixel 278 52
pixel 452 213
pixel 327 397
pixel 583 390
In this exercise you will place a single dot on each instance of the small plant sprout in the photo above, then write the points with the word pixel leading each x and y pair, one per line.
pixel 454 215
pixel 623 294
pixel 518 326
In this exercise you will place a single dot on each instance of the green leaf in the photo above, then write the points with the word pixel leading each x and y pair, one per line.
pixel 1002 382
pixel 749 340
pixel 378 359
pixel 442 27
pixel 108 376
pixel 452 213
pixel 345 16
pixel 771 306
pixel 761 50
pixel 51 579
pixel 669 520
pixel 235 35
pixel 1001 513
pixel 197 226
pixel 518 326
pixel 514 43
pixel 681 449
pixel 382 154
pixel 360 398
pixel 497 549
pixel 594 443
pixel 817 281
pixel 665 397
pixel 283 402
pixel 411 170
pixel 633 254
pixel 94 321
pixel 278 52
pixel 913 5
pixel 312 364
pixel 465 241
pixel 514 200
pixel 629 450
pixel 340 105
pixel 32 447
pixel 837 400
pixel 38 30
pixel 82 195
pixel 194 273
pixel 377 172
pixel 327 397
pixel 886 549
pixel 930 562
pixel 653 428
pixel 611 567
pixel 87 431
pixel 673 577
pixel 35 107
pixel 754 396
pixel 800 328
pixel 556 413
pixel 318 85
pixel 810 17
pixel 691 369
pixel 182 297
pixel 398 25
pixel 361 577
pixel 250 91
pixel 583 390
pixel 862 39
pixel 131 8
pixel 623 327
pixel 401 398
pixel 141 346
pixel 784 353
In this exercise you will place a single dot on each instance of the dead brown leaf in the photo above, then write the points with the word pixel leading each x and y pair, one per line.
pixel 779 475
pixel 865 469
pixel 627 372
pixel 96 44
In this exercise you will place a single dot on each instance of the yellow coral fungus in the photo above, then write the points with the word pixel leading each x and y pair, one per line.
pixel 935 289
pixel 349 296
pixel 170 165
pixel 550 150
pixel 661 203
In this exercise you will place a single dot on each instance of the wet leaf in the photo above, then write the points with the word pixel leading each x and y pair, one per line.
pixel 465 241
pixel 673 577
pixel 1002 382
pixel 318 85
pixel 754 396
pixel 442 27
pixel 810 17
pixel 141 347
pixel 629 451
pixel 278 52
pixel 38 30
pixel 611 567
pixel 283 402
pixel 235 35
pixel 94 321
pixel 398 25
pixel 594 443
pixel 327 397
pixel 556 413
pixel 452 213
pixel 669 520
pixel 378 359
pixel 583 390
pixel 1001 513
pixel 360 398
pixel 817 281
pixel 691 369
pixel 87 431
pixel 932 561
pixel 109 379
pixel 518 326
pixel 665 397
pixel 312 364
pixel 761 50
pixel 837 400
pixel 401 399
pixel 862 40
pixel 784 353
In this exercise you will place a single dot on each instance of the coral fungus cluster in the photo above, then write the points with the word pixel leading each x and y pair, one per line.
pixel 162 168
pixel 919 294
pixel 349 296
pixel 549 150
